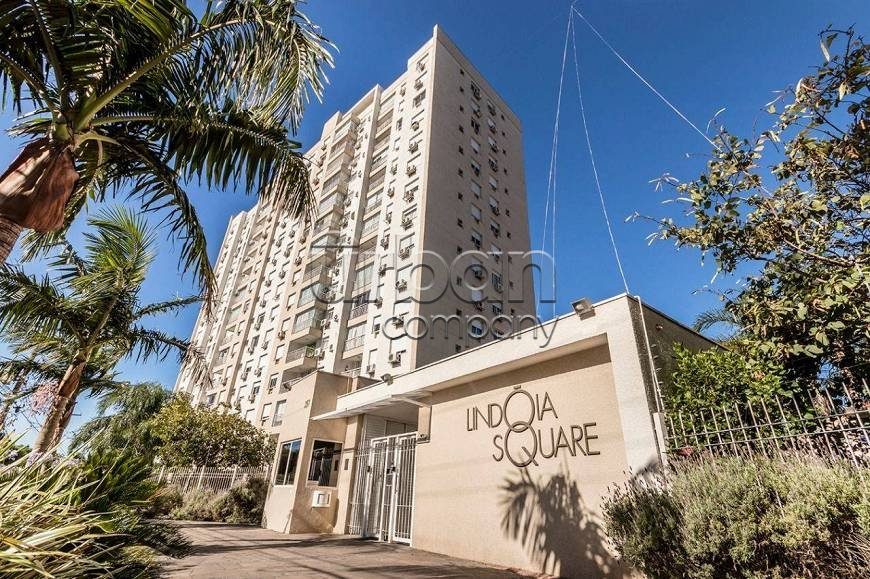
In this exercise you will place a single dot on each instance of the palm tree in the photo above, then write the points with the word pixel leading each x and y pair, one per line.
pixel 123 419
pixel 87 316
pixel 140 96
pixel 718 318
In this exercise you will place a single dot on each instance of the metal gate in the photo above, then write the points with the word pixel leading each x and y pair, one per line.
pixel 382 504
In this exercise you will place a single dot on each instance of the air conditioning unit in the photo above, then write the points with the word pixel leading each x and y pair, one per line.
pixel 395 359
pixel 408 196
pixel 411 170
pixel 258 372
pixel 251 397
pixel 319 353
pixel 287 252
pixel 414 146
pixel 324 323
pixel 407 222
pixel 393 169
pixel 268 282
pixel 405 252
pixel 245 375
pixel 418 84
pixel 391 191
pixel 262 303
pixel 224 381
pixel 282 334
pixel 478 305
pixel 402 91
pixel 478 272
pixel 281 274
pixel 415 125
pixel 250 350
pixel 370 369
pixel 385 242
pixel 348 201
pixel 345 222
pixel 298 260
pixel 401 285
pixel 379 301
pixel 421 66
pixel 274 261
pixel 496 210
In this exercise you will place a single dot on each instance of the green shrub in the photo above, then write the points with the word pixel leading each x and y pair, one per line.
pixel 196 505
pixel 72 518
pixel 745 517
pixel 242 505
pixel 164 501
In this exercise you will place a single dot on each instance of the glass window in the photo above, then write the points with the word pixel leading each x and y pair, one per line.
pixel 364 276
pixel 279 412
pixel 325 459
pixel 308 294
pixel 285 472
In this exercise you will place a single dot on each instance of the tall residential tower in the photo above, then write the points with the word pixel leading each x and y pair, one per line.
pixel 419 248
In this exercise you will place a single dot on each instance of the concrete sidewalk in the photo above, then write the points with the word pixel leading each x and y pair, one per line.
pixel 222 550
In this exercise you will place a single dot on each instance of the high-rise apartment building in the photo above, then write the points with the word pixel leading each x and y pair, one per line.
pixel 419 248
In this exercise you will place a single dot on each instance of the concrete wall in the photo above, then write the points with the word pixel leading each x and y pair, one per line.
pixel 468 504
pixel 288 507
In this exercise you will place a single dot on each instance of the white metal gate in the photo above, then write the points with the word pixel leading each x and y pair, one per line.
pixel 382 504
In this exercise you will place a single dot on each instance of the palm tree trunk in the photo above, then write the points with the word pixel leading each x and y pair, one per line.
pixel 9 231
pixel 58 415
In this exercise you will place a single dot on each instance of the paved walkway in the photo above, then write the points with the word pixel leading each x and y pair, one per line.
pixel 233 551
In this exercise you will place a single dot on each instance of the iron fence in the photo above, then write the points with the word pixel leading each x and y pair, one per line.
pixel 832 421
pixel 213 478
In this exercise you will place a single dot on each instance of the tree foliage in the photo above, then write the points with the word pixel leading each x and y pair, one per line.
pixel 194 435
pixel 803 227
pixel 73 325
pixel 716 377
pixel 137 97
pixel 124 419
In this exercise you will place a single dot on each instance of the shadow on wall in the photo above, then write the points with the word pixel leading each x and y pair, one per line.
pixel 553 524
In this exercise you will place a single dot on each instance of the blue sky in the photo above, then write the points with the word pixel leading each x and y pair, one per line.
pixel 702 55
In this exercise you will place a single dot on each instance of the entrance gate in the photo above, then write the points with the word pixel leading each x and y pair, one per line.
pixel 382 505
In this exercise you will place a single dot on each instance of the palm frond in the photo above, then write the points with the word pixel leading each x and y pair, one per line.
pixel 168 306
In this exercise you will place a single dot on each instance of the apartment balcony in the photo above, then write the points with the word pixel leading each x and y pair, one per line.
pixel 353 346
pixel 306 332
pixel 343 147
pixel 358 311
pixel 302 358
pixel 316 273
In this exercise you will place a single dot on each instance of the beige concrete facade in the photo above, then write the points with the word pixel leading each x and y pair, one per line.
pixel 519 440
pixel 415 176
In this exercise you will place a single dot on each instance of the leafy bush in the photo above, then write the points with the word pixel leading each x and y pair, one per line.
pixel 718 376
pixel 187 434
pixel 196 505
pixel 745 517
pixel 241 505
pixel 69 518
pixel 164 501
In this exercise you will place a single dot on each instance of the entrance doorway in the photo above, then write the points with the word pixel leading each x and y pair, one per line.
pixel 382 505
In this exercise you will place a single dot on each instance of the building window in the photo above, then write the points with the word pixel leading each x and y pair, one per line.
pixel 308 294
pixel 475 213
pixel 267 413
pixel 285 471
pixel 364 277
pixel 279 413
pixel 325 459
pixel 475 166
pixel 475 146
pixel 475 188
